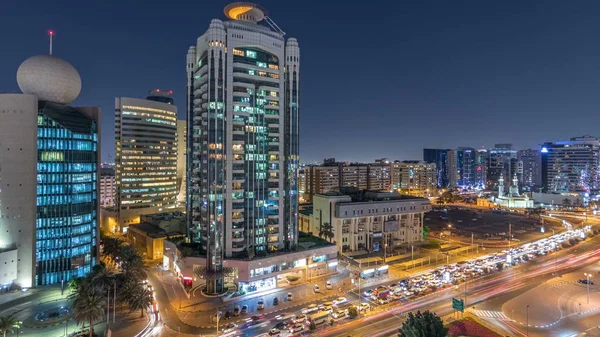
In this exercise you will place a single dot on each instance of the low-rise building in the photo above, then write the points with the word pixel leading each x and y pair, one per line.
pixel 149 238
pixel 369 222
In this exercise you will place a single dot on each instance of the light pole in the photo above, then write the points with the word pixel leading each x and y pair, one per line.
pixel 218 321
pixel 527 315
pixel 588 286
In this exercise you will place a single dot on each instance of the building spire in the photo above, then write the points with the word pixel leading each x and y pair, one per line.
pixel 51 34
pixel 501 186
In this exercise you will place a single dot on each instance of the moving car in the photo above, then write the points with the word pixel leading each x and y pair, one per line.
pixel 228 314
pixel 311 308
pixel 274 332
pixel 339 300
pixel 290 296
pixel 244 310
pixel 316 288
pixel 236 311
pixel 297 328
pixel 299 319
pixel 229 327
pixel 275 301
pixel 217 316
pixel 328 285
pixel 339 314
pixel 261 304
pixel 584 281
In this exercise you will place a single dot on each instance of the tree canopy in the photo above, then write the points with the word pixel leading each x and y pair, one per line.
pixel 423 324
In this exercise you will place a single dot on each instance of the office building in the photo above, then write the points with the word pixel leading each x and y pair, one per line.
pixel 502 161
pixel 371 221
pixel 414 177
pixel 439 157
pixel 49 163
pixel 181 161
pixel 529 169
pixel 243 139
pixel 108 187
pixel 571 166
pixel 453 171
pixel 146 155
pixel 481 164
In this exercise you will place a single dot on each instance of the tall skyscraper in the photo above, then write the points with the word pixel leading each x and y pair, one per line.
pixel 243 88
pixel 481 164
pixel 571 166
pixel 439 157
pixel 181 161
pixel 502 161
pixel 530 169
pixel 146 155
pixel 49 162
pixel 466 166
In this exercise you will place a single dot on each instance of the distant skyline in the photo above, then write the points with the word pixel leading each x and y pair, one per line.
pixel 384 79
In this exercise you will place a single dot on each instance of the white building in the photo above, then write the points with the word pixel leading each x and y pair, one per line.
pixel 243 138
pixel 382 218
pixel 181 160
pixel 513 199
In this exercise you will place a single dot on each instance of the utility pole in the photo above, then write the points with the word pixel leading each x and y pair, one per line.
pixel 114 300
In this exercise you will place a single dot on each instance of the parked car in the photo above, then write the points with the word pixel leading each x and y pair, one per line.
pixel 290 296
pixel 229 327
pixel 299 319
pixel 261 304
pixel 339 300
pixel 316 288
pixel 236 311
pixel 274 332
pixel 328 285
pixel 275 301
pixel 244 310
pixel 228 314
pixel 584 281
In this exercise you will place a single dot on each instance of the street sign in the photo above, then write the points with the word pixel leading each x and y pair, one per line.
pixel 458 304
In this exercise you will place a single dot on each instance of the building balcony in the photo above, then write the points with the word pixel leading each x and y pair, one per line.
pixel 240 239
pixel 238 249
pixel 273 216
pixel 273 134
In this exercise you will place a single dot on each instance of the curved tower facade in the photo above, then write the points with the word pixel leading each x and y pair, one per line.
pixel 243 140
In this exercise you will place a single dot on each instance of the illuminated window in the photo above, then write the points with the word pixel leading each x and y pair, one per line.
pixel 251 72
pixel 238 52
pixel 251 54
pixel 273 66
pixel 261 64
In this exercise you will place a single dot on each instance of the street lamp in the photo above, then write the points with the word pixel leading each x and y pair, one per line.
pixel 588 286
pixel 527 315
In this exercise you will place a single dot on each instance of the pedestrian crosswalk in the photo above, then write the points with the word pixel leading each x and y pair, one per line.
pixel 490 314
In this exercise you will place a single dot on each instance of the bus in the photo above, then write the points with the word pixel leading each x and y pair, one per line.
pixel 318 318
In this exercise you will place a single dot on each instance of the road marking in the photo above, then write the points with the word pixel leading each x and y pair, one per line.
pixel 490 314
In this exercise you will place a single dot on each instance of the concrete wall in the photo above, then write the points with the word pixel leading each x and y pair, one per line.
pixel 18 181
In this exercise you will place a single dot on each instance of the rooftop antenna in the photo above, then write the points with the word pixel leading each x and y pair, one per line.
pixel 274 25
pixel 51 34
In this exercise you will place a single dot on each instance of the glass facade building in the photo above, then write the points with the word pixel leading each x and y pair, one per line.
pixel 243 87
pixel 67 196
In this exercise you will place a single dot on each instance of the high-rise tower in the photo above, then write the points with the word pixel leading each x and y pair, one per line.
pixel 49 162
pixel 243 89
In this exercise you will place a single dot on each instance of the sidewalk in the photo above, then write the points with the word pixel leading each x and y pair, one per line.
pixel 128 323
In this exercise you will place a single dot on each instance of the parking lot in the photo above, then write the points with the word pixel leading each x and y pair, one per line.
pixel 484 225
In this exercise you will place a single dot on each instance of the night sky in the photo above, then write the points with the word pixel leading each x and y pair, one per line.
pixel 383 79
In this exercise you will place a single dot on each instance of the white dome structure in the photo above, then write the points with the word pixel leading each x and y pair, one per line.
pixel 49 78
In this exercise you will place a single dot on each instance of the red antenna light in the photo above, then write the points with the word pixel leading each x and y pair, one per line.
pixel 171 92
pixel 51 34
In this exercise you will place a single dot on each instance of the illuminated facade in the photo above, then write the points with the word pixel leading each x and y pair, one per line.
pixel 414 177
pixel 49 162
pixel 108 187
pixel 181 160
pixel 243 80
pixel 571 166
pixel 146 156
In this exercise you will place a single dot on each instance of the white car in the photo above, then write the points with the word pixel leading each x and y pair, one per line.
pixel 339 314
pixel 339 300
pixel 316 288
pixel 364 306
pixel 311 308
pixel 290 296
pixel 260 305
pixel 229 327
pixel 328 285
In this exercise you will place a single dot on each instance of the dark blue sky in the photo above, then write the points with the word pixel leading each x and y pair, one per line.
pixel 383 79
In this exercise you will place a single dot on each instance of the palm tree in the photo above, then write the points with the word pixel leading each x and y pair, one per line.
pixel 326 231
pixel 87 302
pixel 141 300
pixel 7 323
pixel 102 276
pixel 111 246
pixel 128 290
